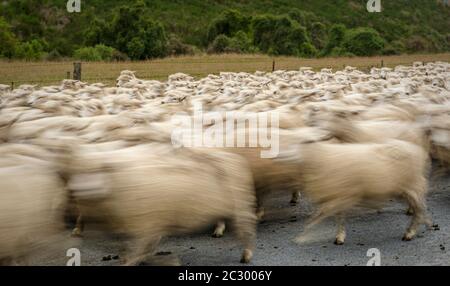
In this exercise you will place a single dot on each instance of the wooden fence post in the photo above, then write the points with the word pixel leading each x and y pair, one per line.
pixel 77 71
pixel 273 66
pixel 12 85
pixel 382 63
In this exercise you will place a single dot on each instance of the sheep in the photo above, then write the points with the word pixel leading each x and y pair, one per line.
pixel 268 175
pixel 170 186
pixel 4 88
pixel 340 177
pixel 338 124
pixel 31 202
pixel 347 108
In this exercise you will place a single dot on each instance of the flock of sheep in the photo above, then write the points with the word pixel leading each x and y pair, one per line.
pixel 103 156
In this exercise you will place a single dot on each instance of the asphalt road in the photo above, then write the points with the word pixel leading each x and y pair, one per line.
pixel 276 239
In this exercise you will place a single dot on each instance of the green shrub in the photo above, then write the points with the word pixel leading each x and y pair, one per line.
pixel 278 35
pixel 221 44
pixel 340 52
pixel 363 42
pixel 176 47
pixel 7 39
pixel 131 32
pixel 307 50
pixel 318 34
pixel 394 48
pixel 119 56
pixel 97 53
pixel 32 50
pixel 137 35
pixel 87 54
pixel 416 43
pixel 136 48
pixel 304 18
pixel 53 55
pixel 228 23
pixel 242 42
pixel 336 36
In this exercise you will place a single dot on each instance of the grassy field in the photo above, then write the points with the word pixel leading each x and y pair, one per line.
pixel 48 73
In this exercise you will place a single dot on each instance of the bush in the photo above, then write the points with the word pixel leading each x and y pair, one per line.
pixel 176 47
pixel 278 35
pixel 136 48
pixel 416 43
pixel 304 18
pixel 87 54
pixel 243 43
pixel 119 56
pixel 318 35
pixel 363 42
pixel 54 55
pixel 137 35
pixel 32 50
pixel 97 53
pixel 131 32
pixel 229 23
pixel 307 50
pixel 394 48
pixel 221 44
pixel 336 36
pixel 340 52
pixel 7 39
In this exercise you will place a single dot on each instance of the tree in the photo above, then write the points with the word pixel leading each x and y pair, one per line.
pixel 7 39
pixel 176 47
pixel 336 36
pixel 97 53
pixel 228 23
pixel 136 48
pixel 221 44
pixel 130 31
pixel 363 42
pixel 304 18
pixel 279 35
pixel 318 34
pixel 31 50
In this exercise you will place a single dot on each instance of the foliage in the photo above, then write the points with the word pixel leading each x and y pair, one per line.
pixel 7 39
pixel 363 42
pixel 32 50
pixel 144 29
pixel 97 53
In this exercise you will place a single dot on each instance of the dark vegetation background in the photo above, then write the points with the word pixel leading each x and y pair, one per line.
pixel 143 29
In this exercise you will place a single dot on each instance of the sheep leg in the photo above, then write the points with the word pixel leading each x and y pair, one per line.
pixel 340 235
pixel 219 230
pixel 418 207
pixel 295 198
pixel 260 206
pixel 140 249
pixel 410 211
pixel 79 227
pixel 260 213
pixel 245 226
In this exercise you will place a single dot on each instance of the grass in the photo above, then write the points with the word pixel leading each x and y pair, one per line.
pixel 48 73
